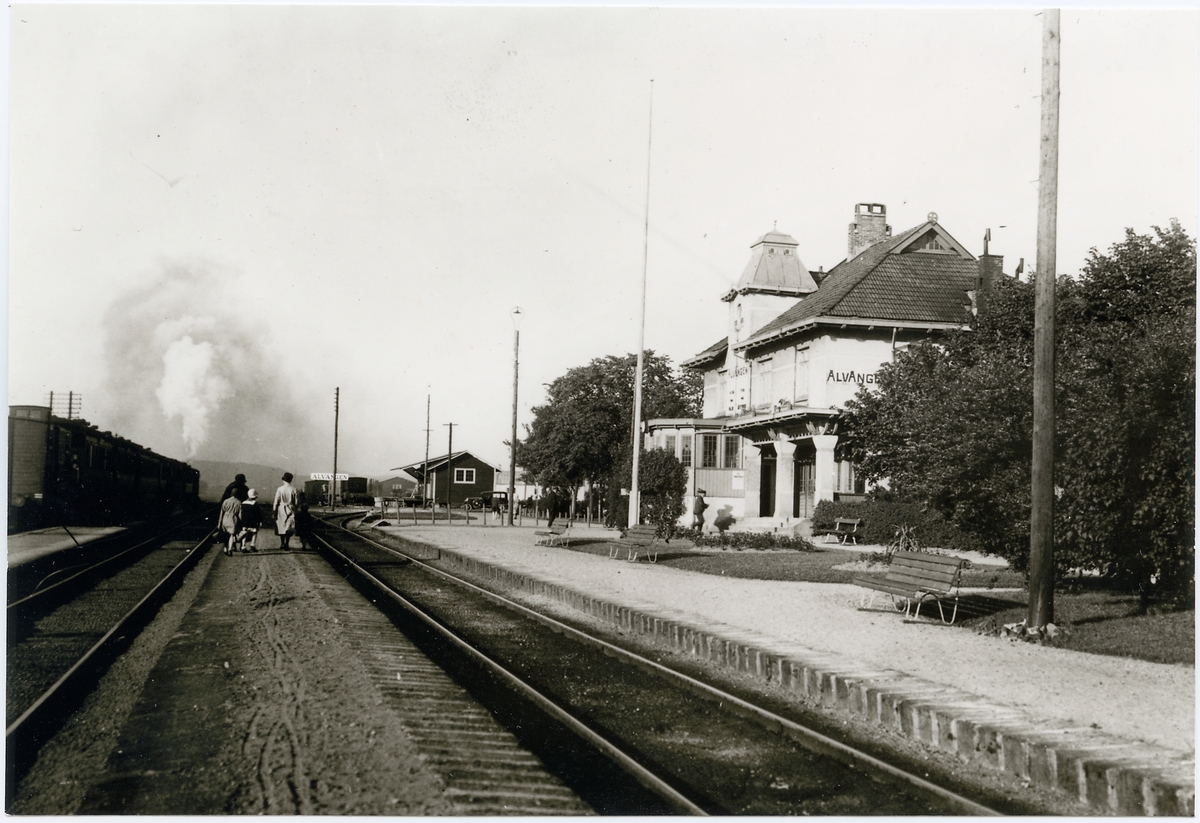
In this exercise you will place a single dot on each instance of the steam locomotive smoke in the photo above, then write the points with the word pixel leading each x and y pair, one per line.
pixel 190 390
pixel 192 373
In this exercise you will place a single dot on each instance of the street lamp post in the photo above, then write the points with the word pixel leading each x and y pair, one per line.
pixel 512 463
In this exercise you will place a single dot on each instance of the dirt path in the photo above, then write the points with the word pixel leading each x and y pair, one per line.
pixel 257 705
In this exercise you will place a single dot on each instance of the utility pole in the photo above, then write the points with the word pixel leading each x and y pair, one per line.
pixel 512 468
pixel 1041 518
pixel 425 467
pixel 635 503
pixel 449 469
pixel 333 483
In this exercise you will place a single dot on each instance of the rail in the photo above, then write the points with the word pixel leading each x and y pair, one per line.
pixel 796 732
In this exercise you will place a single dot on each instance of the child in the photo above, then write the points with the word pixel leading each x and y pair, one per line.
pixel 251 520
pixel 230 521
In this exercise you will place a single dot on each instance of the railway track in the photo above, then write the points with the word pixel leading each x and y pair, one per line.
pixel 64 634
pixel 629 734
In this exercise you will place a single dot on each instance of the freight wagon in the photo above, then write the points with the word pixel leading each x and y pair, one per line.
pixel 65 472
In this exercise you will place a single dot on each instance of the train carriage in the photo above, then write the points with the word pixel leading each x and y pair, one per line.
pixel 67 472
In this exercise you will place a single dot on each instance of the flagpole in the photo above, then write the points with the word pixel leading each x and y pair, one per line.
pixel 635 506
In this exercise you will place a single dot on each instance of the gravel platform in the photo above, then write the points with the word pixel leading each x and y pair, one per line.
pixel 1118 734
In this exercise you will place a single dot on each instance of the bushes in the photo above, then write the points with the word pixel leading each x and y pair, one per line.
pixel 751 540
pixel 881 517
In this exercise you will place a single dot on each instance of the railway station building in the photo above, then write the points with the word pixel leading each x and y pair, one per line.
pixel 797 346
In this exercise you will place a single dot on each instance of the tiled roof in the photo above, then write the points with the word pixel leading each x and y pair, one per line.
pixel 879 284
pixel 715 350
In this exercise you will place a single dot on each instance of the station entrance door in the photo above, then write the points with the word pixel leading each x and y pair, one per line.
pixel 766 484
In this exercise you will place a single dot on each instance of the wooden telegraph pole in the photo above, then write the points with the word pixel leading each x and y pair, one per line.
pixel 449 470
pixel 1041 519
pixel 337 395
pixel 512 467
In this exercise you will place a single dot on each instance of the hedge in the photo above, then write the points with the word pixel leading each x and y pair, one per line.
pixel 881 518
pixel 750 540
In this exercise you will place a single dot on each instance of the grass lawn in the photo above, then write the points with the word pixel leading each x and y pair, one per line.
pixel 1096 620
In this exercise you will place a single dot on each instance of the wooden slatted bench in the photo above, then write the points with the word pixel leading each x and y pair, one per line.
pixel 914 577
pixel 640 537
pixel 557 535
pixel 845 528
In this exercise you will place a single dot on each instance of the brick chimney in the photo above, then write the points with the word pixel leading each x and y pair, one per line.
pixel 991 268
pixel 869 227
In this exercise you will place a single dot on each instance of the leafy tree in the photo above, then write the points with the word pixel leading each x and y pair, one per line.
pixel 662 483
pixel 951 422
pixel 584 431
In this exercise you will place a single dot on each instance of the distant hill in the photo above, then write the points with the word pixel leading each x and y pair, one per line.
pixel 215 476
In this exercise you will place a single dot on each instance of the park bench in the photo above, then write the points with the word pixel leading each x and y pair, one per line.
pixel 639 537
pixel 914 577
pixel 845 528
pixel 557 535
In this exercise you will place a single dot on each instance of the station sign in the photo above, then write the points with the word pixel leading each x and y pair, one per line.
pixel 327 476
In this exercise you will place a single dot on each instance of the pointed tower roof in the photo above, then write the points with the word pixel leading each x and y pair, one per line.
pixel 774 268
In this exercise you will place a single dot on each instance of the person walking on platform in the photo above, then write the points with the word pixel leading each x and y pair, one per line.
pixel 550 501
pixel 230 521
pixel 238 484
pixel 251 521
pixel 284 509
pixel 303 523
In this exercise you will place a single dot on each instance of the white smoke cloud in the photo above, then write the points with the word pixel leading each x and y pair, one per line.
pixel 190 389
pixel 193 373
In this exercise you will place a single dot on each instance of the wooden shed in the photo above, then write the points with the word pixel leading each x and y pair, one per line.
pixel 460 475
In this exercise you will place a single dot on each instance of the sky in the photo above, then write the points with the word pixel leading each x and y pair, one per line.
pixel 219 215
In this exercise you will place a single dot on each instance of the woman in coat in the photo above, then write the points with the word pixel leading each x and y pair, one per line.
pixel 286 501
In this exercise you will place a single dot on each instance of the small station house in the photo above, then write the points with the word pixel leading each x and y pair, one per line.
pixel 468 476
pixel 798 345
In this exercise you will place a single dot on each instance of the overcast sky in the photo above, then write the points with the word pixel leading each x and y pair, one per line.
pixel 218 214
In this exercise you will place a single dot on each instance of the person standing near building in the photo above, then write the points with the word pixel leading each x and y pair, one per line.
pixel 284 509
pixel 698 508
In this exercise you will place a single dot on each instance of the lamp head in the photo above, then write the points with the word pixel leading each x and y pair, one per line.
pixel 516 316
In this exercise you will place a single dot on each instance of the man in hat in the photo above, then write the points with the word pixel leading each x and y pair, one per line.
pixel 238 485
pixel 284 509
pixel 698 510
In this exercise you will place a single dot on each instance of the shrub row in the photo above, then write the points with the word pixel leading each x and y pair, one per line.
pixel 881 519
pixel 750 540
